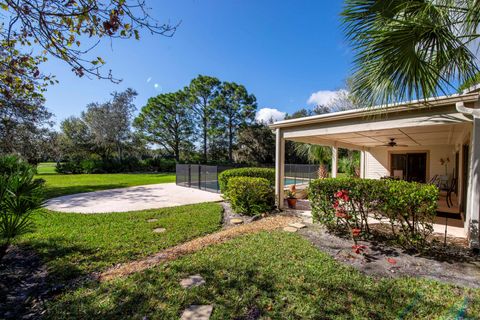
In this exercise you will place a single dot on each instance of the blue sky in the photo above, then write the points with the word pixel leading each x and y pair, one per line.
pixel 282 51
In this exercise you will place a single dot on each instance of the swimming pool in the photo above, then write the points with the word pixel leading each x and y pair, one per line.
pixel 290 181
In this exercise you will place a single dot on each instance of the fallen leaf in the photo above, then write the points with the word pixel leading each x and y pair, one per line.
pixel 392 261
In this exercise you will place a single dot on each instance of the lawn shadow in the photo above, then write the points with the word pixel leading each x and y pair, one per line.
pixel 54 251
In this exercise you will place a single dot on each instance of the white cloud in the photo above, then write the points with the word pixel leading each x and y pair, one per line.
pixel 268 114
pixel 149 79
pixel 324 97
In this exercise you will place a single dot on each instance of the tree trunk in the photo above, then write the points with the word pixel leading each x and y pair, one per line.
pixel 205 158
pixel 177 150
pixel 322 172
pixel 3 249
pixel 230 142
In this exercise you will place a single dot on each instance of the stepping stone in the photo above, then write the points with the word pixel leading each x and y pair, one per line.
pixel 159 230
pixel 290 229
pixel 297 225
pixel 152 220
pixel 192 281
pixel 197 312
pixel 236 220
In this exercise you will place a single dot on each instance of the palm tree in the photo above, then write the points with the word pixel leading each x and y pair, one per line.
pixel 316 154
pixel 411 49
pixel 20 196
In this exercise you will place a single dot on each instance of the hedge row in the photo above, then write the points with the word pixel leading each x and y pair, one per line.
pixel 116 166
pixel 249 190
pixel 266 173
pixel 345 205
pixel 250 196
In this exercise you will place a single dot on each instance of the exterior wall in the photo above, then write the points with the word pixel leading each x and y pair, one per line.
pixel 377 162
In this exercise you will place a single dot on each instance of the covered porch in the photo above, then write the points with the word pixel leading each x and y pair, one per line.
pixel 433 142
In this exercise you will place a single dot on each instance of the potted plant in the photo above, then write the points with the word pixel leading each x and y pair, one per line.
pixel 291 198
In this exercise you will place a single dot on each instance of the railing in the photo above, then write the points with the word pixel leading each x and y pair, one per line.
pixel 205 177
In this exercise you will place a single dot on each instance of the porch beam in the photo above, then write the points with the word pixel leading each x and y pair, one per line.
pixel 326 142
pixel 339 127
pixel 279 168
pixel 334 161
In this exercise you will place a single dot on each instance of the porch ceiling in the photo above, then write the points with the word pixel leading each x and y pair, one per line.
pixel 408 136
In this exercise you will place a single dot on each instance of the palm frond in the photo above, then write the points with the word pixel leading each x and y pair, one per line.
pixel 314 153
pixel 408 50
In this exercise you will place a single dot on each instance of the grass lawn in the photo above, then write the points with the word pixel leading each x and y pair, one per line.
pixel 75 244
pixel 271 275
pixel 46 168
pixel 63 184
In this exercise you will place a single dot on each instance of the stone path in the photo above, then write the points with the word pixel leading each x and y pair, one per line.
pixel 159 230
pixel 266 224
pixel 197 312
pixel 192 281
pixel 131 199
pixel 294 227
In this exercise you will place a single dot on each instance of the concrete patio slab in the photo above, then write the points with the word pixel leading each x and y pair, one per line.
pixel 131 199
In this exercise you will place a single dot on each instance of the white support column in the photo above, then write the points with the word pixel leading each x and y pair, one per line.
pixel 472 222
pixel 472 215
pixel 362 163
pixel 461 177
pixel 334 161
pixel 279 168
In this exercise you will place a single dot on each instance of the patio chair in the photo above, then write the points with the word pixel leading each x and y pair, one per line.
pixel 451 189
pixel 434 179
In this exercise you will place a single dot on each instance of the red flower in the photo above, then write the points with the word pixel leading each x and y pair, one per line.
pixel 342 194
pixel 391 261
pixel 336 204
pixel 358 248
pixel 356 232
pixel 342 214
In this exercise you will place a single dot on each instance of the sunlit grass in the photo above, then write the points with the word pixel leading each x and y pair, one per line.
pixel 63 184
pixel 267 276
pixel 74 244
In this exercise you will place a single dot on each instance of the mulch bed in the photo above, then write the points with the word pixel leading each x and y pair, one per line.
pixel 453 263
pixel 22 284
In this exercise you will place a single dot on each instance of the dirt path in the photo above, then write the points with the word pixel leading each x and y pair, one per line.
pixel 267 224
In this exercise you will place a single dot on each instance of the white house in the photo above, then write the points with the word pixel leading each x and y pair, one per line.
pixel 417 141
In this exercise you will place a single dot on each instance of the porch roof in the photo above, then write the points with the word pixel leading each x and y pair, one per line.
pixel 417 123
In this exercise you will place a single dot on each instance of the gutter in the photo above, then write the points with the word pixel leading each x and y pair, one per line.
pixel 420 104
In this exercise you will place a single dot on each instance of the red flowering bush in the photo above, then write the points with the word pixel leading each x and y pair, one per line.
pixel 344 205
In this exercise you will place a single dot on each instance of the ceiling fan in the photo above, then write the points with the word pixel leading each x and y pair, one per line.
pixel 392 144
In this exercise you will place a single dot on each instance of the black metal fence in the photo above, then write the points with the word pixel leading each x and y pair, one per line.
pixel 205 177
pixel 300 174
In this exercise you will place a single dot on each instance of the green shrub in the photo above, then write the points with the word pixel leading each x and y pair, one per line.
pixel 95 165
pixel 160 164
pixel 409 207
pixel 20 195
pixel 225 176
pixel 72 166
pixel 250 195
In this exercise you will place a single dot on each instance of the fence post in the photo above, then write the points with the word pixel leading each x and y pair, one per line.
pixel 200 177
